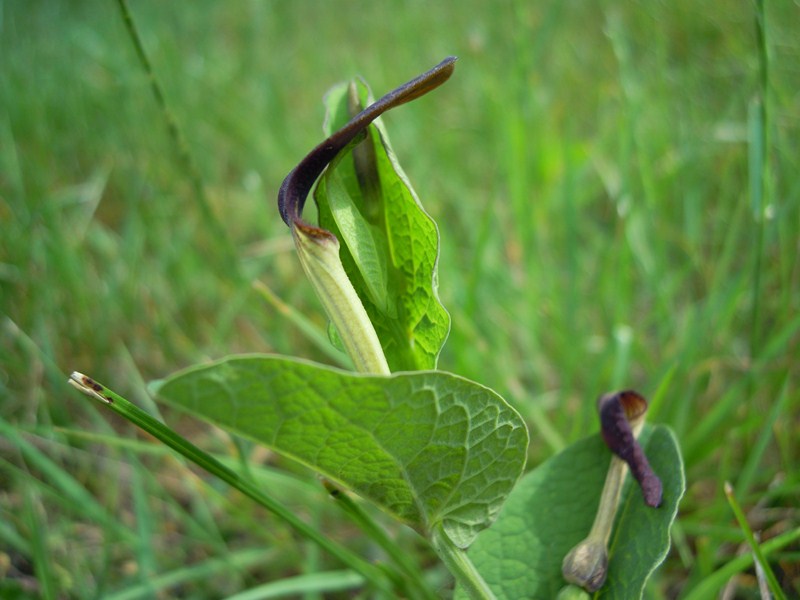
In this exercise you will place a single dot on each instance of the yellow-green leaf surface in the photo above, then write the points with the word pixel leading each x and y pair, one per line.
pixel 552 509
pixel 427 447
pixel 389 243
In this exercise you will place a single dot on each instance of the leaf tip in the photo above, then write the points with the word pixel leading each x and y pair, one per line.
pixel 90 387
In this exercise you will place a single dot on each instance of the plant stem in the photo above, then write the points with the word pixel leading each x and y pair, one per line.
pixel 609 501
pixel 586 564
pixel 459 564
pixel 167 436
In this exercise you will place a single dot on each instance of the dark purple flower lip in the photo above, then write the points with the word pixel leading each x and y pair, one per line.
pixel 298 183
pixel 621 413
pixel 621 419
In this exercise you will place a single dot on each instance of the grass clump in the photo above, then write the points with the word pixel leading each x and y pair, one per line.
pixel 617 195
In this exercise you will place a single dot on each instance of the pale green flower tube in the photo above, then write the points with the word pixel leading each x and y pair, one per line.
pixel 319 255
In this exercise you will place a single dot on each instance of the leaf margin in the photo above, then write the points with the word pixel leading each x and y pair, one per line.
pixel 461 521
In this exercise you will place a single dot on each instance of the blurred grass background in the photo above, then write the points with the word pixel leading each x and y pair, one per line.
pixel 616 210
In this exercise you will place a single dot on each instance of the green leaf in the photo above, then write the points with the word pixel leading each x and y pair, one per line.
pixel 366 244
pixel 389 245
pixel 427 447
pixel 552 509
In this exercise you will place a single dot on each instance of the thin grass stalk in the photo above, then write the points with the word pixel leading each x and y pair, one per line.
pixel 180 146
pixel 185 448
pixel 755 547
pixel 414 579
pixel 758 171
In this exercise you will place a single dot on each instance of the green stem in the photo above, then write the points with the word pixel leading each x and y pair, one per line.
pixel 184 447
pixel 609 501
pixel 319 256
pixel 586 564
pixel 459 564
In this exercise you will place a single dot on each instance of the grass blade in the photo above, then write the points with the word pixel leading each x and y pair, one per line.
pixel 59 479
pixel 748 471
pixel 238 560
pixel 145 553
pixel 758 171
pixel 228 255
pixel 709 586
pixel 754 545
pixel 403 561
pixel 329 581
pixel 181 445
pixel 304 324
pixel 42 561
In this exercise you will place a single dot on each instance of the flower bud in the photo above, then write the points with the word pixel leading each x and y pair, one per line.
pixel 586 565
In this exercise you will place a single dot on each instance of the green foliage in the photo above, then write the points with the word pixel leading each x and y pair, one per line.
pixel 390 244
pixel 429 448
pixel 552 509
pixel 591 164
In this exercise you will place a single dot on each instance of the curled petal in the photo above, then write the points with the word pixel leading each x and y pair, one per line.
pixel 620 414
pixel 318 248
pixel 298 183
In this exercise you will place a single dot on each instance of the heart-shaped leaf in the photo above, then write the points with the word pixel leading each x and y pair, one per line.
pixel 389 243
pixel 552 509
pixel 427 447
